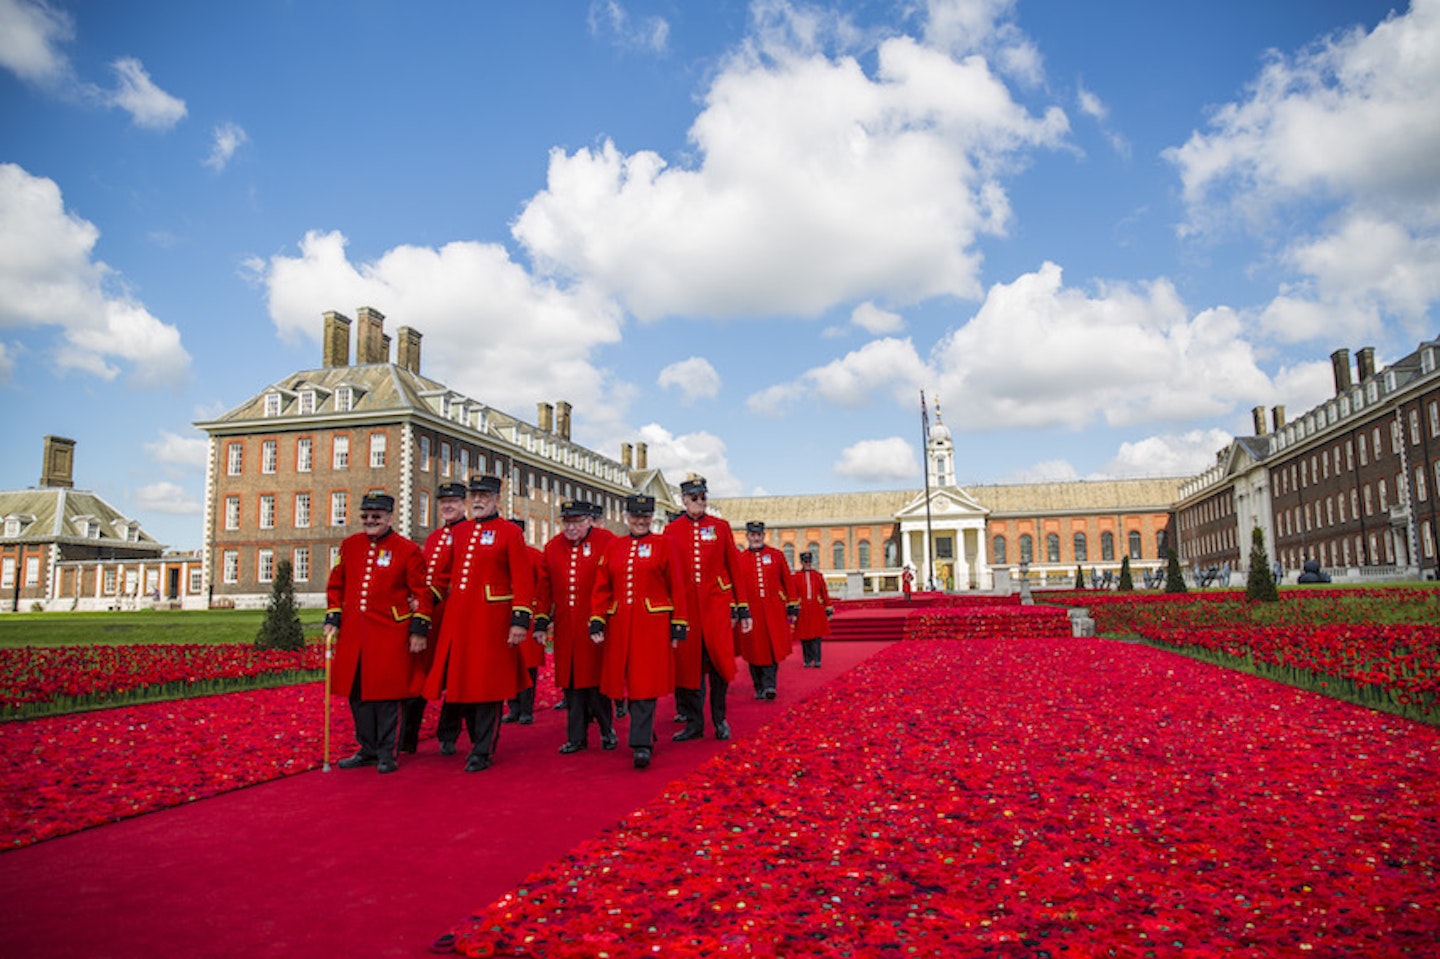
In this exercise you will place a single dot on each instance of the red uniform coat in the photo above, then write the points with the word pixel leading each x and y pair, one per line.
pixel 711 563
pixel 569 584
pixel 370 587
pixel 639 593
pixel 488 569
pixel 812 623
pixel 437 551
pixel 532 651
pixel 767 581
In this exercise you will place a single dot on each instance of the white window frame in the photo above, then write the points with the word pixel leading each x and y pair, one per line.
pixel 267 510
pixel 197 581
pixel 7 572
pixel 304 454
pixel 302 510
pixel 300 565
pixel 340 451
pixel 424 454
pixel 230 566
pixel 307 402
pixel 234 458
pixel 339 507
pixel 377 451
pixel 269 456
pixel 344 399
pixel 272 404
pixel 232 513
pixel 265 565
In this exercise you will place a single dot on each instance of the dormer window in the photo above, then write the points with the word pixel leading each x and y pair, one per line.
pixel 272 404
pixel 307 402
pixel 92 528
pixel 12 526
pixel 344 399
pixel 1389 381
pixel 1372 392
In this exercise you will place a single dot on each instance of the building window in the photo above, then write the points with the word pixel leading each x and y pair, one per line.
pixel 1081 552
pixel 464 464
pixel 1427 539
pixel 307 402
pixel 111 582
pixel 197 581
pixel 424 454
pixel 7 572
pixel 1415 427
pixel 300 567
pixel 337 508
pixel 997 551
pixel 1384 496
pixel 304 454
pixel 1107 547
pixel 267 511
pixel 863 553
pixel 12 527
pixel 445 460
pixel 231 567
pixel 268 456
pixel 1135 542
pixel 1027 548
pixel 344 399
pixel 235 454
pixel 837 555
pixel 789 550
pixel 302 510
pixel 1162 544
pixel 340 453
pixel 1434 409
pixel 265 565
pixel 334 556
pixel 424 509
pixel 377 450
pixel 232 512
pixel 814 550
pixel 272 404
pixel 32 571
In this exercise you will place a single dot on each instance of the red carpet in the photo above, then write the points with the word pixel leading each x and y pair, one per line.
pixel 349 863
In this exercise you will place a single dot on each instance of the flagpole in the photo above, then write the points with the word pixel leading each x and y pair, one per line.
pixel 925 461
pixel 325 762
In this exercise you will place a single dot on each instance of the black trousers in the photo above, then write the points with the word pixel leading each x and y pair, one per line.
pixel 376 721
pixel 524 702
pixel 691 702
pixel 764 676
pixel 810 649
pixel 483 722
pixel 412 716
pixel 451 716
pixel 583 706
pixel 642 724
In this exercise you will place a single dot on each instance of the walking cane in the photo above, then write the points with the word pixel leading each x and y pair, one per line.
pixel 325 763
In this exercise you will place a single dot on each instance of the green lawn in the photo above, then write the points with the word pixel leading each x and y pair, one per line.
pixel 140 626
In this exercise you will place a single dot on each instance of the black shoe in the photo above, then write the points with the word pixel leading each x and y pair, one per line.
pixel 769 694
pixel 569 748
pixel 687 734
pixel 642 757
pixel 609 742
pixel 447 748
pixel 387 765
pixel 357 760
pixel 559 705
pixel 509 718
pixel 722 730
pixel 476 764
pixel 527 720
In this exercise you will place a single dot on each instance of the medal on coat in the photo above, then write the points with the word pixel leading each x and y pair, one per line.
pixel 382 558
pixel 707 533
pixel 643 550
pixel 765 561
pixel 585 550
pixel 487 537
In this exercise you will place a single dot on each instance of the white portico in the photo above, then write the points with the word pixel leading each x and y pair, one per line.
pixel 955 522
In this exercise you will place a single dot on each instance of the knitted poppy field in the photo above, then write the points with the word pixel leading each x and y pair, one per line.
pixel 1017 797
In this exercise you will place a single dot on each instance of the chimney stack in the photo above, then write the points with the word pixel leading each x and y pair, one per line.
pixel 1340 363
pixel 1277 418
pixel 58 467
pixel 641 456
pixel 371 343
pixel 1257 416
pixel 407 351
pixel 335 341
pixel 562 420
pixel 1366 362
pixel 546 417
pixel 625 455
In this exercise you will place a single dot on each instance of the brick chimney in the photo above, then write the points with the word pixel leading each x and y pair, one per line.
pixel 371 343
pixel 1257 416
pixel 1340 363
pixel 641 456
pixel 58 467
pixel 626 453
pixel 407 351
pixel 1365 360
pixel 562 420
pixel 335 340
pixel 545 417
pixel 1277 418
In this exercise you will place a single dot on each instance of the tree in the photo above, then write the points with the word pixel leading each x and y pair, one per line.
pixel 1174 579
pixel 1079 577
pixel 1127 582
pixel 281 628
pixel 1260 586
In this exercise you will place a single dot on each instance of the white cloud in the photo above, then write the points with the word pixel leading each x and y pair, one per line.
pixel 695 378
pixel 1041 354
pixel 964 27
pixel 816 184
pixel 872 319
pixel 1045 471
pixel 879 461
pixel 1169 454
pixel 499 334
pixel 1090 104
pixel 225 139
pixel 700 452
pixel 610 19
pixel 7 363
pixel 173 449
pixel 48 278
pixel 148 105
pixel 30 36
pixel 888 366
pixel 166 497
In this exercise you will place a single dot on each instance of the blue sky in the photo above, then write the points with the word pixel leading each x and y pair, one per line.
pixel 747 234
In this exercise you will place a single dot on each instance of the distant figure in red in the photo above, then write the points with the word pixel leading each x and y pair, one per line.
pixel 375 584
pixel 812 623
pixel 766 578
pixel 450 503
pixel 532 651
pixel 907 582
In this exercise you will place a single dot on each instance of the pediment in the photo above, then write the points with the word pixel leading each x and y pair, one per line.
pixel 947 501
